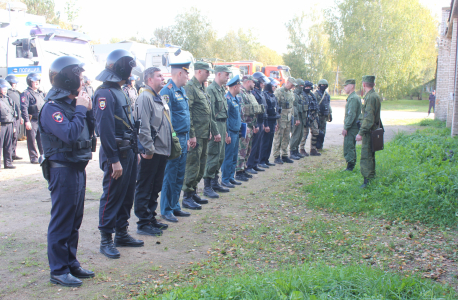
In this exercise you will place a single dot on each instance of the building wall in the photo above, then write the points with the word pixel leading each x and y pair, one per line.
pixel 443 88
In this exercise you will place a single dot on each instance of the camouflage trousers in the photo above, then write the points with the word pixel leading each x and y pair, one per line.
pixel 281 138
pixel 215 152
pixel 244 150
pixel 195 165
pixel 296 135
pixel 313 128
pixel 367 162
pixel 322 124
pixel 350 145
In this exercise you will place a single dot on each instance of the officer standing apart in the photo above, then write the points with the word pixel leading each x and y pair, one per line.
pixel 216 148
pixel 199 133
pixel 234 123
pixel 298 125
pixel 32 100
pixel 7 117
pixel 312 119
pixel 250 108
pixel 117 158
pixel 155 136
pixel 285 99
pixel 175 96
pixel 370 121
pixel 15 95
pixel 65 124
pixel 325 111
pixel 351 122
pixel 130 90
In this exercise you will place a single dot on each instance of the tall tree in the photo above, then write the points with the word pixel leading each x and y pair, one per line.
pixel 162 36
pixel 43 8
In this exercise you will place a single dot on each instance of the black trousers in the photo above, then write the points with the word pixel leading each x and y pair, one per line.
pixel 16 125
pixel 6 143
pixel 267 141
pixel 33 135
pixel 432 104
pixel 253 160
pixel 149 184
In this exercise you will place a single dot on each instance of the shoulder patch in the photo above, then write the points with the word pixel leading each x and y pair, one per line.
pixel 58 117
pixel 166 98
pixel 23 99
pixel 169 86
pixel 102 103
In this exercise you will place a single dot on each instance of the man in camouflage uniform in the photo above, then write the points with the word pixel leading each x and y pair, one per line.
pixel 298 126
pixel 200 125
pixel 285 99
pixel 250 108
pixel 370 121
pixel 351 123
pixel 216 148
pixel 325 110
pixel 312 121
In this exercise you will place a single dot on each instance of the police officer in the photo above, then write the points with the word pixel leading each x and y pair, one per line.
pixel 285 99
pixel 32 100
pixel 130 90
pixel 261 118
pixel 312 118
pixel 351 123
pixel 199 133
pixel 273 114
pixel 15 95
pixel 234 123
pixel 298 125
pixel 7 117
pixel 155 136
pixel 65 124
pixel 325 111
pixel 370 114
pixel 175 96
pixel 215 154
pixel 117 157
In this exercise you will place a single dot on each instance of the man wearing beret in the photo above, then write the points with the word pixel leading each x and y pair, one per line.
pixel 351 122
pixel 215 155
pixel 199 133
pixel 370 121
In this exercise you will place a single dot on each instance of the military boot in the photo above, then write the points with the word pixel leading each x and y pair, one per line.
pixel 217 187
pixel 304 153
pixel 286 159
pixel 208 191
pixel 106 246
pixel 124 239
pixel 350 166
pixel 292 155
pixel 278 160
pixel 189 203
pixel 365 183
pixel 313 152
pixel 197 198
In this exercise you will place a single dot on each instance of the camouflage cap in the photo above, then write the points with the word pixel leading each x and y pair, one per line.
pixel 349 81
pixel 219 69
pixel 292 80
pixel 369 78
pixel 300 82
pixel 249 77
pixel 200 65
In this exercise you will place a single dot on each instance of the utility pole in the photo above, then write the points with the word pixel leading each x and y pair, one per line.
pixel 337 80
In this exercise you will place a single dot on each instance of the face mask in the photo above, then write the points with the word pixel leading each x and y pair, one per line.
pixel 307 90
pixel 323 88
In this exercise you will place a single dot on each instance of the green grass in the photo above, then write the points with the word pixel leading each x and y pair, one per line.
pixel 417 180
pixel 406 105
pixel 316 281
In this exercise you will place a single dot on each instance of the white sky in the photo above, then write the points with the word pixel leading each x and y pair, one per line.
pixel 104 19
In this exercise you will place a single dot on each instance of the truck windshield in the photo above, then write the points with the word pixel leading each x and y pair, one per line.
pixel 54 49
pixel 285 74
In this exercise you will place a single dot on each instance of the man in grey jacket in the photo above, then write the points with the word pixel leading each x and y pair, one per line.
pixel 155 137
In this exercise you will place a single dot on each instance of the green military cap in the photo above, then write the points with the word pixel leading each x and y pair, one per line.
pixel 323 81
pixel 300 82
pixel 249 77
pixel 292 80
pixel 219 69
pixel 349 81
pixel 369 79
pixel 200 65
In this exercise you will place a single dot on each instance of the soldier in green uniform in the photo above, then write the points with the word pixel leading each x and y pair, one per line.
pixel 285 99
pixel 298 126
pixel 312 121
pixel 351 123
pixel 215 153
pixel 325 110
pixel 250 108
pixel 200 126
pixel 370 120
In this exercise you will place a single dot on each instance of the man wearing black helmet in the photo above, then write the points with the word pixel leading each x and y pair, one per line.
pixel 312 121
pixel 117 154
pixel 130 90
pixel 15 95
pixel 65 124
pixel 325 111
pixel 7 117
pixel 32 100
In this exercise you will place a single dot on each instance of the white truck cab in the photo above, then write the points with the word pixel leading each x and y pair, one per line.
pixel 163 57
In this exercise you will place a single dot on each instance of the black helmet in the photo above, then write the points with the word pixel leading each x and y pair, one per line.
pixel 65 77
pixel 11 79
pixel 261 77
pixel 308 84
pixel 118 67
pixel 4 84
pixel 32 77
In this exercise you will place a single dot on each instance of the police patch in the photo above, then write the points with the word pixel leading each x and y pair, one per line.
pixel 22 99
pixel 102 103
pixel 58 117
pixel 166 98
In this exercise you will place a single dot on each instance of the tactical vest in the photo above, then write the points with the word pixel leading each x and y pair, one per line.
pixel 7 112
pixel 324 103
pixel 285 104
pixel 132 93
pixel 271 104
pixel 15 95
pixel 35 108
pixel 249 108
pixel 312 102
pixel 79 151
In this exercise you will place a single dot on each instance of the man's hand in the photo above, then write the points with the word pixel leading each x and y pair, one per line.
pixel 344 132
pixel 117 170
pixel 192 142
pixel 83 99
pixel 218 138
pixel 210 136
pixel 276 127
pixel 267 129
pixel 359 138
pixel 297 123
pixel 228 140
pixel 28 125
pixel 147 156
pixel 255 130
pixel 22 121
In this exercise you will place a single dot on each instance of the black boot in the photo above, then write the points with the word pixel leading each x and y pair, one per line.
pixel 189 203
pixel 292 155
pixel 197 199
pixel 299 154
pixel 123 239
pixel 286 159
pixel 350 167
pixel 106 246
pixel 366 182
pixel 217 187
pixel 240 176
pixel 278 160
pixel 208 191
pixel 313 152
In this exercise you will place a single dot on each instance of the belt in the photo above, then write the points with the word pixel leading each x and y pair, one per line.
pixel 221 119
pixel 53 164
pixel 181 134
